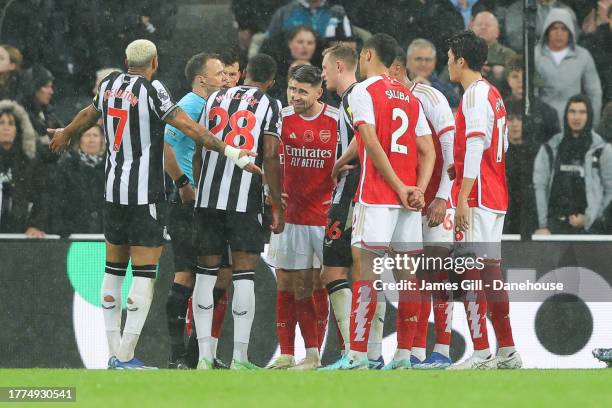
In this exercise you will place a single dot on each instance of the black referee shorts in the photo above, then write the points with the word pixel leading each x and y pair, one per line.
pixel 216 229
pixel 180 228
pixel 135 225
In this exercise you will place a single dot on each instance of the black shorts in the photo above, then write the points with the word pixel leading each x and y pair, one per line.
pixel 135 225
pixel 180 228
pixel 337 242
pixel 216 229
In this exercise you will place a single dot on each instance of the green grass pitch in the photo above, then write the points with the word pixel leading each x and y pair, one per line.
pixel 263 389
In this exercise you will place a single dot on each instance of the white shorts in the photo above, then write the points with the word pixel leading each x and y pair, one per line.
pixel 483 235
pixel 381 229
pixel 297 247
pixel 441 235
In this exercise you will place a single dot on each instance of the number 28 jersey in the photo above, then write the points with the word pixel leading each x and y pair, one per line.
pixel 399 120
pixel 240 116
pixel 481 113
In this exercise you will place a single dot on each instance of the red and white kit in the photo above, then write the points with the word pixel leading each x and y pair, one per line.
pixel 442 123
pixel 379 221
pixel 482 114
pixel 309 153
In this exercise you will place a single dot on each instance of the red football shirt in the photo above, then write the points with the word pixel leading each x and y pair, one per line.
pixel 399 120
pixel 440 119
pixel 309 153
pixel 482 113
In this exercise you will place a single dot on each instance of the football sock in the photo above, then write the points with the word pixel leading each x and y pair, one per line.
pixel 340 297
pixel 138 305
pixel 498 306
pixel 111 304
pixel 321 301
pixel 176 311
pixel 306 317
pixel 443 311
pixel 203 305
pixel 376 331
pixel 285 321
pixel 408 310
pixel 420 337
pixel 243 310
pixel 363 307
pixel 475 304
pixel 443 349
pixel 220 301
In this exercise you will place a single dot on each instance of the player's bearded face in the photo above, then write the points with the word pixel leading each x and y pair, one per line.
pixel 302 95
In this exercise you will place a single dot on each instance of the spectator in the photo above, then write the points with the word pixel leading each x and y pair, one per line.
pixel 231 67
pixel 565 68
pixel 605 124
pixel 80 191
pixel 421 59
pixel 599 45
pixel 469 8
pixel 521 217
pixel 573 174
pixel 251 18
pixel 486 26
pixel 545 123
pixel 598 14
pixel 328 22
pixel 17 172
pixel 10 71
pixel 38 92
pixel 513 20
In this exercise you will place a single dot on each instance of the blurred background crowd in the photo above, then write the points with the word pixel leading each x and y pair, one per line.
pixel 54 52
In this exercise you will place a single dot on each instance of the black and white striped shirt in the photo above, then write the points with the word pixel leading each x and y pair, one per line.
pixel 133 112
pixel 345 190
pixel 239 116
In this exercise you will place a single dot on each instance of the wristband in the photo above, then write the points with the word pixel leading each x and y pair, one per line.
pixel 231 152
pixel 181 181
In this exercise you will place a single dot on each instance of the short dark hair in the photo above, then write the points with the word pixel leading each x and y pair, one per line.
pixel 291 34
pixel 342 52
pixel 306 74
pixel 515 64
pixel 384 46
pixel 196 64
pixel 514 108
pixel 229 58
pixel 261 68
pixel 470 47
pixel 400 55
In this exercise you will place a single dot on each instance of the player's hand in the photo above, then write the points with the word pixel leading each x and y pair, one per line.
pixel 278 220
pixel 187 194
pixel 411 197
pixel 451 171
pixel 339 169
pixel 542 231
pixel 34 232
pixel 577 220
pixel 436 212
pixel 59 140
pixel 461 216
pixel 250 167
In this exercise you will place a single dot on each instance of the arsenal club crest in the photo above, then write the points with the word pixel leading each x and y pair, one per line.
pixel 325 136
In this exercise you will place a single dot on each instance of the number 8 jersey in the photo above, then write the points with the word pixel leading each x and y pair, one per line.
pixel 482 113
pixel 399 120
pixel 240 116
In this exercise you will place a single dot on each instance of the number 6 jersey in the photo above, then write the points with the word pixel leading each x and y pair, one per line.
pixel 481 113
pixel 240 116
pixel 399 120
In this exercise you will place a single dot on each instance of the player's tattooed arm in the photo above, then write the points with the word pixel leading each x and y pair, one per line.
pixel 85 119
pixel 197 164
pixel 426 160
pixel 202 136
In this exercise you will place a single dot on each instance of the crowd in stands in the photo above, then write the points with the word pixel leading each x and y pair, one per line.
pixel 559 162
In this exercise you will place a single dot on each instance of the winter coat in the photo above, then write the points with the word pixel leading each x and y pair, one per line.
pixel 575 74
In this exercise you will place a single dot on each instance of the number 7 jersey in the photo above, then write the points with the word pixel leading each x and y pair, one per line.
pixel 399 119
pixel 482 113
pixel 240 116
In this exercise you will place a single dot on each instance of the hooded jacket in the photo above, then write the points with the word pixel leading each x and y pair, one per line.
pixel 597 173
pixel 574 75
pixel 19 201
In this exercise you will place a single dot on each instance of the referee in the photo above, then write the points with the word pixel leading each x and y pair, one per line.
pixel 206 74
pixel 134 108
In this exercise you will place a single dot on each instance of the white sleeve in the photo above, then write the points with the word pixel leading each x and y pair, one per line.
pixel 422 127
pixel 475 110
pixel 362 107
pixel 473 156
pixel 447 141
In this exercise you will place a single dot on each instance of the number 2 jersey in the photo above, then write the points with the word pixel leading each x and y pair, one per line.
pixel 133 111
pixel 481 113
pixel 240 116
pixel 399 120
pixel 309 153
